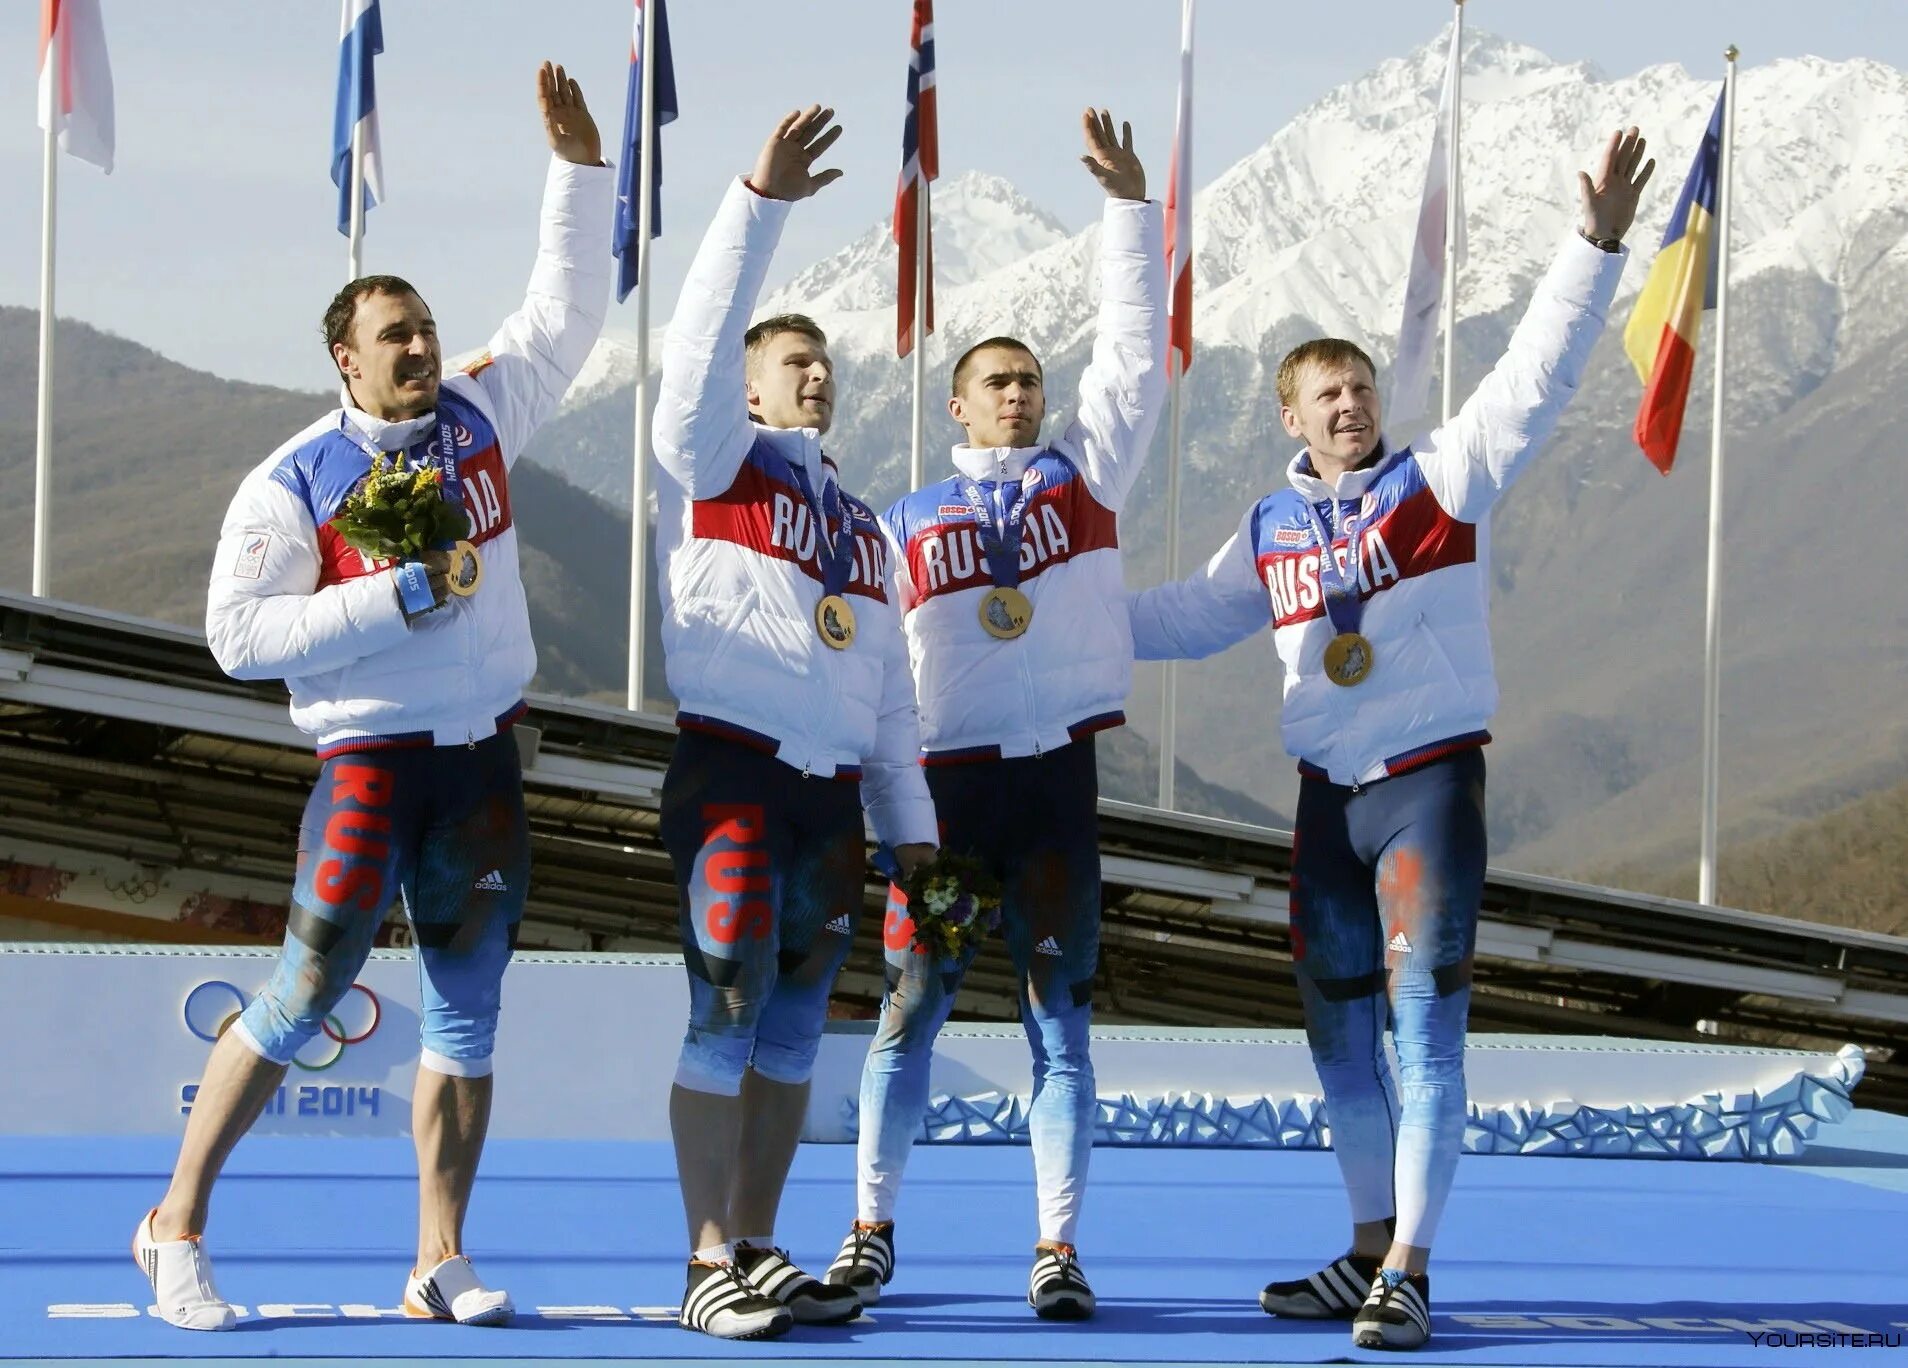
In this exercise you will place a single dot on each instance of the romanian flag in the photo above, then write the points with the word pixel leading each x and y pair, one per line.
pixel 1661 334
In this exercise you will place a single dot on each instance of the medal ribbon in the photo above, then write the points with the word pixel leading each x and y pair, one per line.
pixel 444 462
pixel 1000 540
pixel 1342 603
pixel 837 555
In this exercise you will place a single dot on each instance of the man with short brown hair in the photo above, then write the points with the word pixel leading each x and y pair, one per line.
pixel 796 715
pixel 1009 580
pixel 410 694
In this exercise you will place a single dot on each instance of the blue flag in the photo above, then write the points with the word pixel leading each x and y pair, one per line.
pixel 634 153
pixel 360 38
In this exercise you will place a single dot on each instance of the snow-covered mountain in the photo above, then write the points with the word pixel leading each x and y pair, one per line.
pixel 1309 234
pixel 1316 223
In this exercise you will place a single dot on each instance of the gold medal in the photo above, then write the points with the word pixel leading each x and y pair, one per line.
pixel 466 570
pixel 1005 613
pixel 1348 659
pixel 835 622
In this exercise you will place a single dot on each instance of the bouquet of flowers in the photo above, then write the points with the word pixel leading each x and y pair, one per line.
pixel 399 511
pixel 954 903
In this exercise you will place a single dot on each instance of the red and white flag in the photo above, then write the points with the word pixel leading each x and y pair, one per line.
pixel 1179 330
pixel 76 80
pixel 920 163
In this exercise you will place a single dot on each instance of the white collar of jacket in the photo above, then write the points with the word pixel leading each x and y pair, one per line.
pixel 802 447
pixel 994 463
pixel 385 435
pixel 1351 485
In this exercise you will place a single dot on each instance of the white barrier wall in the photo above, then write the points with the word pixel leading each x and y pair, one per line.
pixel 110 1040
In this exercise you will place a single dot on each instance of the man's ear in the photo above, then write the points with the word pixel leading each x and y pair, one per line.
pixel 954 409
pixel 1290 418
pixel 342 358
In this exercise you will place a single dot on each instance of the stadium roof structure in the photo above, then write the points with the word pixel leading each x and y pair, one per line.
pixel 121 740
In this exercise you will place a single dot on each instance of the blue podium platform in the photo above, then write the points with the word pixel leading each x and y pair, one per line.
pixel 1552 1261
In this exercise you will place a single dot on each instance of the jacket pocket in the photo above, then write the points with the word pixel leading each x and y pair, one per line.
pixel 1434 648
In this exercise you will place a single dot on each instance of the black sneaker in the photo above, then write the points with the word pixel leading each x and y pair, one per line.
pixel 719 1301
pixel 1057 1289
pixel 1397 1313
pixel 1335 1292
pixel 809 1301
pixel 866 1261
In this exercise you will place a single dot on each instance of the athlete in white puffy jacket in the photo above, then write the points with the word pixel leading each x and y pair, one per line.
pixel 409 693
pixel 1388 687
pixel 1008 573
pixel 796 709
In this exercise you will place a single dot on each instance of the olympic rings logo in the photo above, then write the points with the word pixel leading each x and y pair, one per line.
pixel 209 1015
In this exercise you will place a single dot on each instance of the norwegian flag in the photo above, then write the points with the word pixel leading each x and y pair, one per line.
pixel 920 163
pixel 1179 330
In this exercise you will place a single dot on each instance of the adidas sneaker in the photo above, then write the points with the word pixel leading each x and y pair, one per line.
pixel 809 1301
pixel 452 1291
pixel 1396 1313
pixel 1057 1289
pixel 719 1301
pixel 1335 1292
pixel 866 1261
pixel 180 1272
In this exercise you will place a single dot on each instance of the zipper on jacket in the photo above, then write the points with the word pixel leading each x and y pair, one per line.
pixel 1026 670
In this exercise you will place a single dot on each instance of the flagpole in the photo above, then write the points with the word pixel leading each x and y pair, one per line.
pixel 1451 202
pixel 639 474
pixel 1712 622
pixel 1169 678
pixel 355 261
pixel 917 466
pixel 43 436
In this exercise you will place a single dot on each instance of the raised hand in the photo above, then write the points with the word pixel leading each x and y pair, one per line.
pixel 783 168
pixel 567 122
pixel 1112 160
pixel 1609 201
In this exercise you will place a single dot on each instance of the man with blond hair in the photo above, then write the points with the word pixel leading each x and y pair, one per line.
pixel 1371 567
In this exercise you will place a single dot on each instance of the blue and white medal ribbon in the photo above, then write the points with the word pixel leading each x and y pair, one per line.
pixel 834 616
pixel 1005 611
pixel 466 567
pixel 1348 655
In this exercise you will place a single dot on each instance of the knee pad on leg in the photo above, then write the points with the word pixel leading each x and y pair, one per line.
pixel 291 1008
pixel 1059 1038
pixel 788 1033
pixel 713 1062
pixel 786 1061
pixel 462 998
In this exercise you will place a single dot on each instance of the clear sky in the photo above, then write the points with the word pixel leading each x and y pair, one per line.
pixel 214 240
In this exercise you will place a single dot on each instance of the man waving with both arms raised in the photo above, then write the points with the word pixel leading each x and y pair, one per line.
pixel 1008 579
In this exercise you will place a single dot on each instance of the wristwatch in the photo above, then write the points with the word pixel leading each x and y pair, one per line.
pixel 1609 244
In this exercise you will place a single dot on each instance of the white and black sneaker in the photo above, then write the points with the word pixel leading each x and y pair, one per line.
pixel 1335 1292
pixel 1396 1314
pixel 1057 1289
pixel 452 1291
pixel 719 1301
pixel 866 1261
pixel 180 1272
pixel 810 1301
